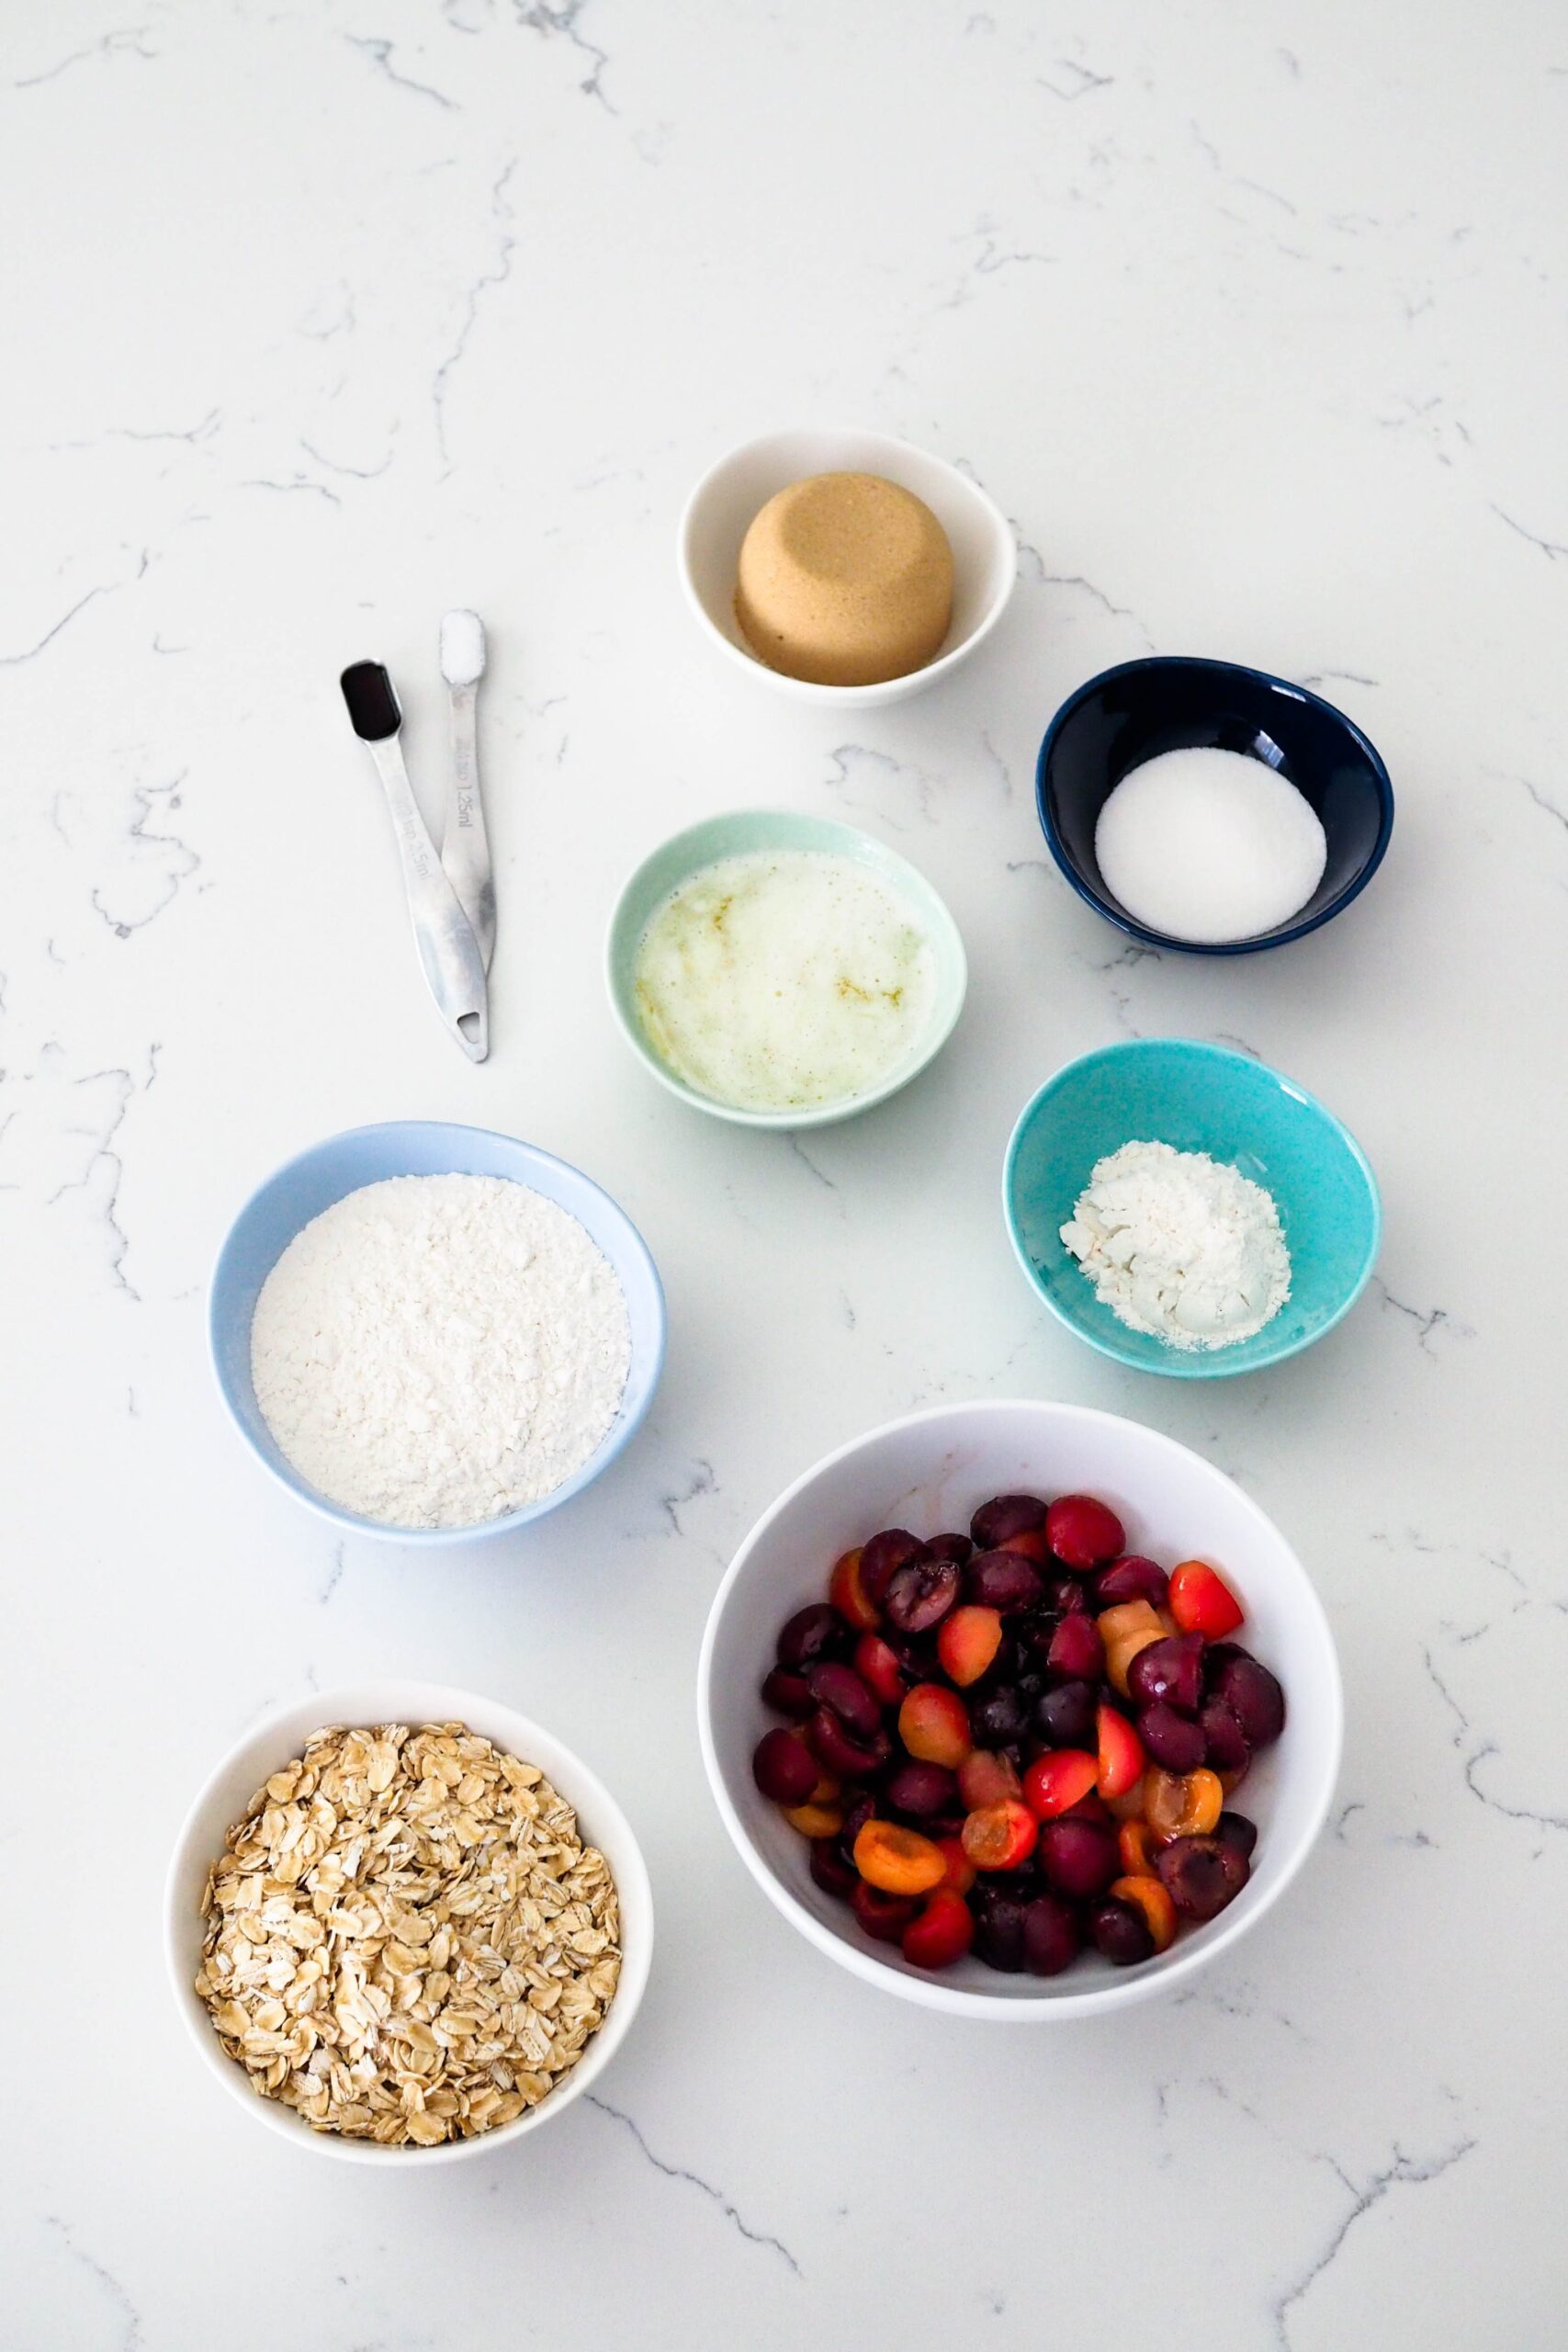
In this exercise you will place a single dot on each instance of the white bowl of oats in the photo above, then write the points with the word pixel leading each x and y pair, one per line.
pixel 390 1932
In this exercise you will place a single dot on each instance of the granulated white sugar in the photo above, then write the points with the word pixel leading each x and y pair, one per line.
pixel 1209 845
pixel 435 1350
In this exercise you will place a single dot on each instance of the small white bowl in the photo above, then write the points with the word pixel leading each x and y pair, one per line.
pixel 730 496
pixel 268 1746
pixel 928 1472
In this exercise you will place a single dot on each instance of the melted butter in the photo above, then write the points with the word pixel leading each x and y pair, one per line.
pixel 783 980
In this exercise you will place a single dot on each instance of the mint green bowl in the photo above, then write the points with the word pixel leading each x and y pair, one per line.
pixel 1197 1098
pixel 740 833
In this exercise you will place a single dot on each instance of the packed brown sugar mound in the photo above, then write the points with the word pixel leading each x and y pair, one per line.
pixel 845 580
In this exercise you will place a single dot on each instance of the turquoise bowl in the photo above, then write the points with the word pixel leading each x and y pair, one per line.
pixel 1197 1098
pixel 742 833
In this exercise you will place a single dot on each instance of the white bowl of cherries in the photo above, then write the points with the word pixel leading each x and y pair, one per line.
pixel 1020 1710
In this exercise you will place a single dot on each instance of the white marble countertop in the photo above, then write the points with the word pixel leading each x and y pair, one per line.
pixel 322 319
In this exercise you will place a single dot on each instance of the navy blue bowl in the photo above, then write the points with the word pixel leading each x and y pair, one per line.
pixel 1133 713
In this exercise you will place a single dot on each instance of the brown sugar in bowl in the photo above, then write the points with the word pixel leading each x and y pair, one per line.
pixel 726 500
pixel 845 580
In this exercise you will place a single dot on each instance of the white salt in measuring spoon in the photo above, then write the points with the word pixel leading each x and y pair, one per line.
pixel 449 952
pixel 465 849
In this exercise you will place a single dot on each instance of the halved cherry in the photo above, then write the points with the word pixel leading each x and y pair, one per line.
pixel 814 1820
pixel 884 1553
pixel 1174 1742
pixel 1131 1626
pixel 1055 1782
pixel 919 1594
pixel 1000 1836
pixel 1137 1849
pixel 1083 1532
pixel 1125 1617
pixel 1029 1540
pixel 1130 1806
pixel 879 1670
pixel 1184 1806
pixel 1120 1933
pixel 812 1633
pixel 1077 1651
pixel 1235 1829
pixel 886 1917
pixel 1131 1577
pixel 1252 1695
pixel 1223 1738
pixel 784 1768
pixel 1005 1516
pixel 838 1687
pixel 1051 1938
pixel 942 1933
pixel 967 1641
pixel 1145 1892
pixel 1078 1859
pixel 858 1810
pixel 897 1860
pixel 846 1590
pixel 985 1778
pixel 831 1872
pixel 935 1725
pixel 1201 1875
pixel 790 1693
pixel 1171 1672
pixel 1003 1580
pixel 1120 1754
pixel 920 1792
pixel 959 1869
pixel 1202 1602
pixel 836 1751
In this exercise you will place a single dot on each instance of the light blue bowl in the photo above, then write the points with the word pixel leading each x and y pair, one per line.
pixel 1197 1098
pixel 303 1188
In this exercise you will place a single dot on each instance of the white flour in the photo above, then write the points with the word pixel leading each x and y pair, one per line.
pixel 1179 1246
pixel 434 1351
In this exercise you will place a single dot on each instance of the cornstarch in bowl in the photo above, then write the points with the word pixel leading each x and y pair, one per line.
pixel 437 1351
pixel 1180 1246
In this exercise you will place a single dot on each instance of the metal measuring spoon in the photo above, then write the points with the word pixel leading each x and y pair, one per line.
pixel 454 967
pixel 465 847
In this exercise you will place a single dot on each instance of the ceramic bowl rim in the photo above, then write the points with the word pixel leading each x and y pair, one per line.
pixel 1123 1991
pixel 853 837
pixel 1103 906
pixel 1200 1364
pixel 812 690
pixel 620 1432
pixel 345 1704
